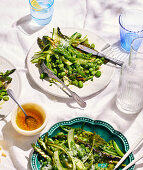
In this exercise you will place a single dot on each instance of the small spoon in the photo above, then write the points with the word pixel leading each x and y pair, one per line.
pixel 29 120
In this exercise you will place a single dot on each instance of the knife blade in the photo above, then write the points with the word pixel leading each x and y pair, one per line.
pixel 99 54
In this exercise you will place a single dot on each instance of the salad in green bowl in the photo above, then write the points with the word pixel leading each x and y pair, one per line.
pixel 82 144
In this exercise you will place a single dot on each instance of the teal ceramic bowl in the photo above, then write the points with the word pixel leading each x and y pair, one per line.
pixel 105 130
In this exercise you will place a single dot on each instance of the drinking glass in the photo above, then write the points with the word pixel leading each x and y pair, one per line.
pixel 131 27
pixel 130 92
pixel 41 11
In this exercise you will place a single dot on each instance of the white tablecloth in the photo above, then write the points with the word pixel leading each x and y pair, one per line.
pixel 100 17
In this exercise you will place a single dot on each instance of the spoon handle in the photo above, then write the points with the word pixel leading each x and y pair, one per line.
pixel 11 94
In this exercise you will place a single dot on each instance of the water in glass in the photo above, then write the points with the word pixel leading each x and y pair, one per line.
pixel 130 92
pixel 42 11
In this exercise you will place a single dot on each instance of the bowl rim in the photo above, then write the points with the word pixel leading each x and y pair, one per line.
pixel 31 132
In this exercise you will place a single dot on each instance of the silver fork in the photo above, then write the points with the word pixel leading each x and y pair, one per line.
pixel 73 94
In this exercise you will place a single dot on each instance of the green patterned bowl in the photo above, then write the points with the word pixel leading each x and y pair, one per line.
pixel 105 130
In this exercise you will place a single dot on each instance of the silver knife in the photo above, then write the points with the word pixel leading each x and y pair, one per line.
pixel 89 50
pixel 73 94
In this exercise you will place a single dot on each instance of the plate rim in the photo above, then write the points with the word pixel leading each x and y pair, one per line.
pixel 20 84
pixel 66 96
pixel 91 121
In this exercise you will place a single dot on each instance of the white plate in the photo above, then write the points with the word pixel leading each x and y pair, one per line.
pixel 15 85
pixel 90 87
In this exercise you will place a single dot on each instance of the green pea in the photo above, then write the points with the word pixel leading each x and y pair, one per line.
pixel 91 69
pixel 79 35
pixel 87 71
pixel 103 59
pixel 97 59
pixel 63 74
pixel 92 45
pixel 91 64
pixel 80 67
pixel 69 72
pixel 5 98
pixel 75 82
pixel 97 67
pixel 60 62
pixel 98 73
pixel 70 68
pixel 82 146
pixel 61 65
pixel 59 74
pixel 53 65
pixel 93 72
pixel 57 61
pixel 42 75
pixel 80 84
pixel 100 62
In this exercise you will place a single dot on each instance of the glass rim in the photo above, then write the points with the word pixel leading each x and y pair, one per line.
pixel 132 48
pixel 44 8
pixel 137 10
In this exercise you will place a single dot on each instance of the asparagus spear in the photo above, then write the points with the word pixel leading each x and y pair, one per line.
pixel 41 152
pixel 43 145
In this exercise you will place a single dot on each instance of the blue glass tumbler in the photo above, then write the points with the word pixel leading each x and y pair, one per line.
pixel 131 27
